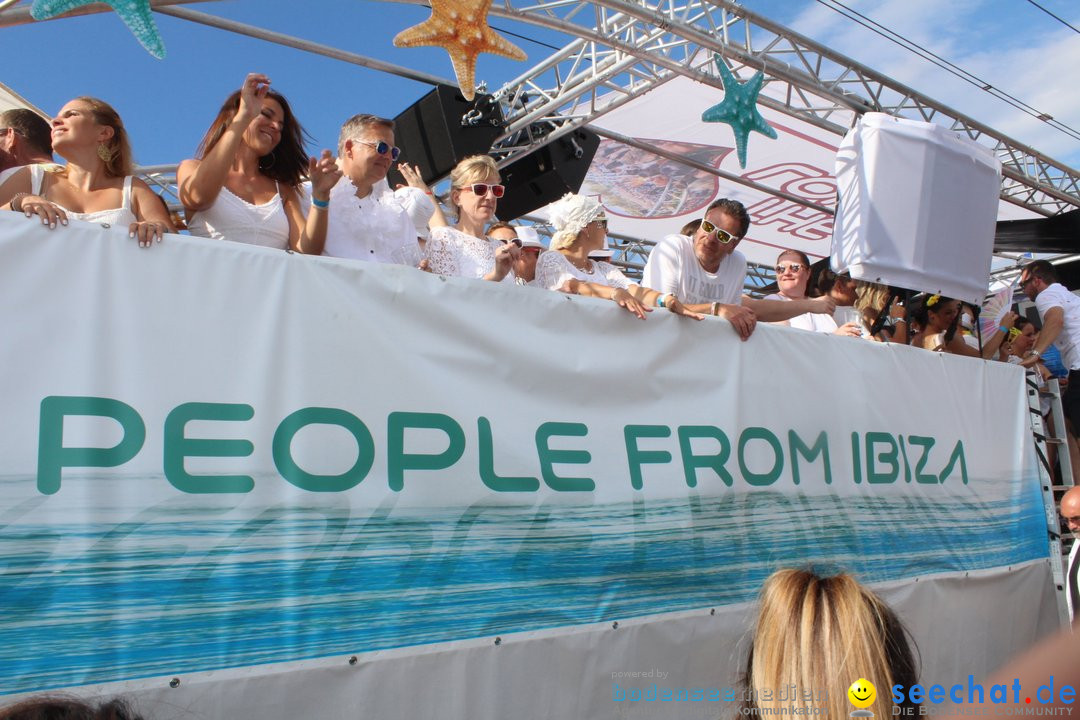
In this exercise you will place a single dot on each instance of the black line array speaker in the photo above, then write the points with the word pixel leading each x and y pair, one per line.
pixel 545 175
pixel 443 128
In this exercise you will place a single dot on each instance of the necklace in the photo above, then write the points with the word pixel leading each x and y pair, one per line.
pixel 588 269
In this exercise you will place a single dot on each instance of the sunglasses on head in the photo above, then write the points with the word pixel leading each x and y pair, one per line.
pixel 782 268
pixel 382 148
pixel 721 235
pixel 481 189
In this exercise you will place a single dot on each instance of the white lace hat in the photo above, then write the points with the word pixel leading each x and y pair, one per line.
pixel 569 215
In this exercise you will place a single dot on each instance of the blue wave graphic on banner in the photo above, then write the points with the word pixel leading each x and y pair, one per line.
pixel 175 591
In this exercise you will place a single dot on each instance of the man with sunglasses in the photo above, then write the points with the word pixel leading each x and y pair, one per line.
pixel 529 248
pixel 1060 313
pixel 25 139
pixel 708 273
pixel 364 219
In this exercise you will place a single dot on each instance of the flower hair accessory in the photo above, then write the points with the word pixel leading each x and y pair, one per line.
pixel 569 215
pixel 932 300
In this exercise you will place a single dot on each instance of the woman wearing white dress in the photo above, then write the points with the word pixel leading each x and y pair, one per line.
pixel 96 184
pixel 580 229
pixel 244 184
pixel 463 250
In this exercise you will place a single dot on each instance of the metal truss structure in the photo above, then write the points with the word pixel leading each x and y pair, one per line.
pixel 634 45
pixel 620 49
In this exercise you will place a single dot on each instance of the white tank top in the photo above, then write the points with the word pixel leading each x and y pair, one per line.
pixel 233 218
pixel 117 217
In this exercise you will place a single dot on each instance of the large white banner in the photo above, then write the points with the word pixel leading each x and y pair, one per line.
pixel 247 483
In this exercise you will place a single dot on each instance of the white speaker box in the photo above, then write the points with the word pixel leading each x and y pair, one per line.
pixel 917 207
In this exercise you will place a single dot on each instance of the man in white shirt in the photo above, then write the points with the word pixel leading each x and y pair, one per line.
pixel 1060 313
pixel 25 139
pixel 1070 513
pixel 707 273
pixel 365 221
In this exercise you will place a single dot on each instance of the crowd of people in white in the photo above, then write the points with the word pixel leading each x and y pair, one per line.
pixel 252 181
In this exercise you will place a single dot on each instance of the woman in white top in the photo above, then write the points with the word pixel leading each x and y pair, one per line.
pixel 792 277
pixel 580 229
pixel 463 250
pixel 244 184
pixel 96 184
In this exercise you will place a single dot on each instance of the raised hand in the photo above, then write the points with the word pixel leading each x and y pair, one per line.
pixel 252 93
pixel 324 175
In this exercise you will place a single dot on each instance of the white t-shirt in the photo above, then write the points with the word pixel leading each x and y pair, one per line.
pixel 375 228
pixel 1068 340
pixel 674 268
pixel 814 322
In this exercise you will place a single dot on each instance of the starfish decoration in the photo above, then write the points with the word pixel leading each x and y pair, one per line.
pixel 739 108
pixel 460 27
pixel 135 14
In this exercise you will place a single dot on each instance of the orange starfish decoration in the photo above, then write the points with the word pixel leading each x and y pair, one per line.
pixel 460 27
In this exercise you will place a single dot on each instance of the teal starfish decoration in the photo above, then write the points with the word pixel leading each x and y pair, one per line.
pixel 136 15
pixel 739 108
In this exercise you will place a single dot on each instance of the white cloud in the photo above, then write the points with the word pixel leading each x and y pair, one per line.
pixel 1016 49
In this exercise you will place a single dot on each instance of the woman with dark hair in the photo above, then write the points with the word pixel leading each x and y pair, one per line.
pixel 244 184
pixel 938 318
pixel 819 634
pixel 96 184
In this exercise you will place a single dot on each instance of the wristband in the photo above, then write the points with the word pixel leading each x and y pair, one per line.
pixel 716 308
pixel 659 301
pixel 321 204
pixel 1003 329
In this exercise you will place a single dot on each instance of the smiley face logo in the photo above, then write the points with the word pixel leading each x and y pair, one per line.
pixel 862 693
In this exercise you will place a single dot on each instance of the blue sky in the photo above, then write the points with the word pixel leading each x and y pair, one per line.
pixel 168 104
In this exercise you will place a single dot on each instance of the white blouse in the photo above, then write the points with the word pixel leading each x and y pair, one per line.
pixel 553 270
pixel 452 252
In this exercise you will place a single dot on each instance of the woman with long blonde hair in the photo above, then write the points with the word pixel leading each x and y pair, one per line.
pixel 821 635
